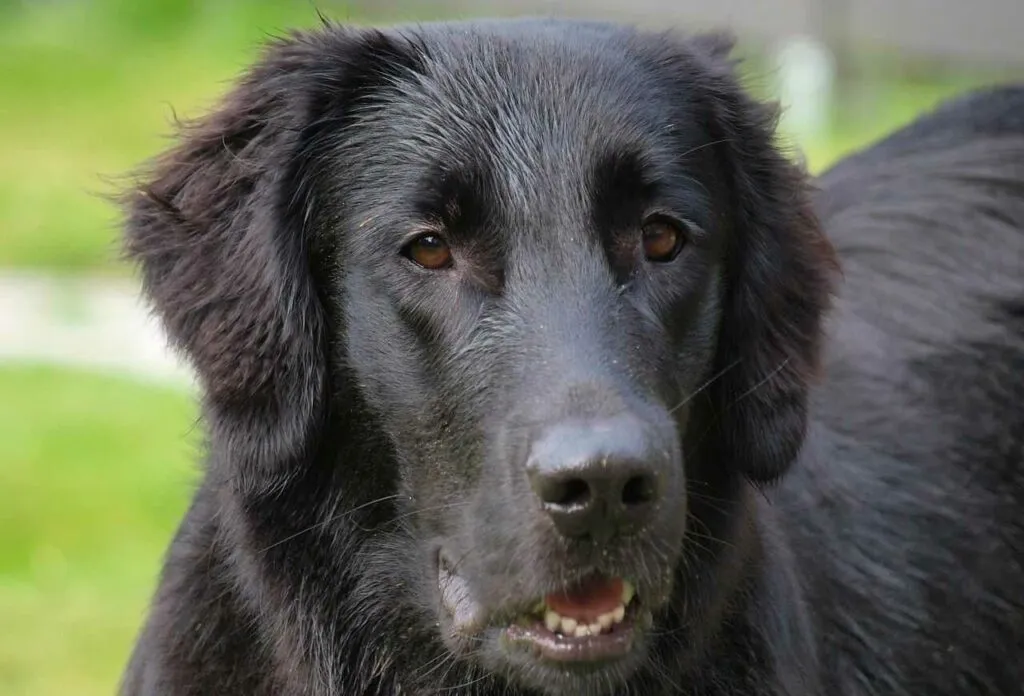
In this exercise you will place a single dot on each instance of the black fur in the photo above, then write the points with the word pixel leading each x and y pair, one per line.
pixel 367 416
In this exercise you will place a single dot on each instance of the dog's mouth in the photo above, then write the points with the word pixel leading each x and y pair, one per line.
pixel 592 621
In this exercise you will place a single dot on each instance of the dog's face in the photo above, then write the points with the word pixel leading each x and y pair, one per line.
pixel 531 290
pixel 562 275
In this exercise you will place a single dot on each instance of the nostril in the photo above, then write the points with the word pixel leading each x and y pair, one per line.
pixel 573 492
pixel 568 493
pixel 638 490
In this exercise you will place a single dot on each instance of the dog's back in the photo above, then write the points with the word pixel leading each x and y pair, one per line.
pixel 908 509
pixel 929 226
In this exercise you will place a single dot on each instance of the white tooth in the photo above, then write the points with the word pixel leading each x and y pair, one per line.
pixel 568 626
pixel 552 620
pixel 619 614
pixel 627 591
pixel 582 631
pixel 595 629
pixel 606 620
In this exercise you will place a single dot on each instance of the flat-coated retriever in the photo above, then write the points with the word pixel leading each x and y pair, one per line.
pixel 511 342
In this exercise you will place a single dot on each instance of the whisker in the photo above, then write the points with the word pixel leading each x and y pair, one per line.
pixel 719 416
pixel 431 508
pixel 442 660
pixel 691 534
pixel 719 505
pixel 329 520
pixel 700 147
pixel 762 382
pixel 704 386
pixel 461 686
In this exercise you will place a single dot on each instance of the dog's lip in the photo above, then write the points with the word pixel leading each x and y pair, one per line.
pixel 466 613
pixel 468 618
pixel 555 647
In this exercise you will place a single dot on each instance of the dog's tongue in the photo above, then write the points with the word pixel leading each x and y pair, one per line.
pixel 588 601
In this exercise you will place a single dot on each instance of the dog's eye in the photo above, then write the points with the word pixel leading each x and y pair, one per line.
pixel 429 251
pixel 662 240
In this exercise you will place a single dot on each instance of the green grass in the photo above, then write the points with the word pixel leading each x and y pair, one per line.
pixel 89 92
pixel 90 89
pixel 869 111
pixel 95 473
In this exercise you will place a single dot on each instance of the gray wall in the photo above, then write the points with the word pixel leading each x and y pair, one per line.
pixel 989 31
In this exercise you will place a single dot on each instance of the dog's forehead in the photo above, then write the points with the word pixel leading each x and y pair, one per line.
pixel 530 85
pixel 535 109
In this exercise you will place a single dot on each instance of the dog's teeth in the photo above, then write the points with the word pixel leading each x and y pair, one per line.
pixel 627 591
pixel 552 620
pixel 567 626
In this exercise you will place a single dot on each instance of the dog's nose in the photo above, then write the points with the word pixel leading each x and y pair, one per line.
pixel 598 479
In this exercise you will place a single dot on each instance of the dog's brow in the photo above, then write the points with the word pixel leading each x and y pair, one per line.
pixel 454 198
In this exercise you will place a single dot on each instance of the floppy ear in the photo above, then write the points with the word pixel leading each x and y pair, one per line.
pixel 221 230
pixel 779 274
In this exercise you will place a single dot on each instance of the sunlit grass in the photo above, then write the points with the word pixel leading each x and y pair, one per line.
pixel 95 474
pixel 89 92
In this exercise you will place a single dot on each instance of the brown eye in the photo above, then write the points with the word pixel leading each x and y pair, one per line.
pixel 429 251
pixel 662 241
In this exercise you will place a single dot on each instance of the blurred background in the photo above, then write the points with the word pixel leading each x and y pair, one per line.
pixel 98 437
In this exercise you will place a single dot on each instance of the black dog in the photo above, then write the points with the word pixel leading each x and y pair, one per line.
pixel 504 330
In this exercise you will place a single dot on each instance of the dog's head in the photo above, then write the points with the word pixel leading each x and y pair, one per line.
pixel 510 314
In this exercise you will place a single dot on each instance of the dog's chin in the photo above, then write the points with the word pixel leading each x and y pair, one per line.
pixel 585 639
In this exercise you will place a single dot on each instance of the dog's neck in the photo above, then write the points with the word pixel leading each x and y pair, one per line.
pixel 754 633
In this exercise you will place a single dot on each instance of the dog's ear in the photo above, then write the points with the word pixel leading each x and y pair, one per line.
pixel 220 227
pixel 778 278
